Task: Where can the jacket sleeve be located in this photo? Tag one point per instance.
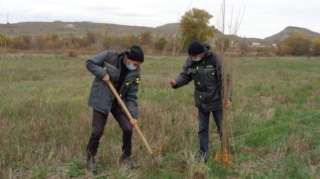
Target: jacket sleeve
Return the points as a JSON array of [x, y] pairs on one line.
[[184, 78], [95, 65], [221, 69], [131, 98]]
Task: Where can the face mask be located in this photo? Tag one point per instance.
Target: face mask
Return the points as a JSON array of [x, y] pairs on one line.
[[197, 59], [130, 66]]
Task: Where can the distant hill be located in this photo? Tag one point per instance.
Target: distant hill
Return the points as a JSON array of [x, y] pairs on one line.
[[170, 29], [288, 31], [81, 28]]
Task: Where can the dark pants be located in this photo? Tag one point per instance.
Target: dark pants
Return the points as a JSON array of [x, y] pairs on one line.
[[99, 122], [203, 133]]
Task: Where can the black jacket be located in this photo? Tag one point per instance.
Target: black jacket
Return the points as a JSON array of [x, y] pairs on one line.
[[207, 77]]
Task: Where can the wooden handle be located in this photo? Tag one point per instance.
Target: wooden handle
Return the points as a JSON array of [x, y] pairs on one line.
[[130, 117]]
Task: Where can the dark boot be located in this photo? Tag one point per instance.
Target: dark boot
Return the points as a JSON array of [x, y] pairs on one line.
[[202, 157], [129, 162], [91, 163]]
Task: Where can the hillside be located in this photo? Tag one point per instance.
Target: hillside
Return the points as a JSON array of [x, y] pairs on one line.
[[81, 28], [288, 31]]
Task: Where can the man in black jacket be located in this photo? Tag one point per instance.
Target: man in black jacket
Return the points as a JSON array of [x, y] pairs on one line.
[[122, 69], [204, 68]]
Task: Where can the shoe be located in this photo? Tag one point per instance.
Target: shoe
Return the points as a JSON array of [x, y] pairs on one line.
[[202, 157], [91, 163], [129, 162]]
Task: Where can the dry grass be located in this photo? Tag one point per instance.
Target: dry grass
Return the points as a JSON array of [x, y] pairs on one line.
[[45, 121]]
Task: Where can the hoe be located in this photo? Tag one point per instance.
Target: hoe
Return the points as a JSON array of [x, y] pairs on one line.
[[158, 158]]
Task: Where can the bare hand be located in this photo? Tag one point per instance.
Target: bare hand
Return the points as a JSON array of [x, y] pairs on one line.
[[172, 82], [229, 104], [106, 78], [133, 122]]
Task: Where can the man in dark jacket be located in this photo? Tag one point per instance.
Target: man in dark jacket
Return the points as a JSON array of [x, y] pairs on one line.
[[123, 71], [204, 67]]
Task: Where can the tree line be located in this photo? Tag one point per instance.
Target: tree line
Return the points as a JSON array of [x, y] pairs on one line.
[[297, 45], [89, 42]]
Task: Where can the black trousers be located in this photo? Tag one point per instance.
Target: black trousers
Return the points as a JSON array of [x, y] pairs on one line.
[[99, 122], [203, 133]]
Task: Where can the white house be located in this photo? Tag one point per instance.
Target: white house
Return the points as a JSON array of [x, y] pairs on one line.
[[68, 26], [255, 44]]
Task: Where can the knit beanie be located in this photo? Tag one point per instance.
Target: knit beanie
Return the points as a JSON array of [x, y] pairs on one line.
[[135, 54], [195, 48]]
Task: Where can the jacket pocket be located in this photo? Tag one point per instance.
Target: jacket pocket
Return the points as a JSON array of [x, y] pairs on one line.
[[210, 74], [194, 74], [200, 97], [213, 95], [96, 91]]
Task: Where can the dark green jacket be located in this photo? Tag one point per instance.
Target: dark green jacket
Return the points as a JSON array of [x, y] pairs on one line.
[[101, 96], [207, 77]]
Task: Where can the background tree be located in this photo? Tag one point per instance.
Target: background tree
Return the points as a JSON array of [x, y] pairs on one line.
[[74, 42], [65, 42], [52, 41], [145, 38], [264, 51], [286, 50], [173, 44], [53, 37], [243, 47], [18, 43], [82, 42], [126, 41], [109, 42], [4, 40], [222, 43], [161, 43], [40, 42], [300, 45], [316, 47], [90, 38], [27, 40], [194, 25], [99, 39]]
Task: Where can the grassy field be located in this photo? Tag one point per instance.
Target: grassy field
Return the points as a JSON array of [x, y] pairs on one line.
[[45, 122]]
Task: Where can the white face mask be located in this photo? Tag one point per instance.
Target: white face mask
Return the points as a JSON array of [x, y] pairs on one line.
[[130, 66], [197, 59]]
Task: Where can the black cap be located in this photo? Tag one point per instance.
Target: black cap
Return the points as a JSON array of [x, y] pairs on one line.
[[135, 54], [195, 48]]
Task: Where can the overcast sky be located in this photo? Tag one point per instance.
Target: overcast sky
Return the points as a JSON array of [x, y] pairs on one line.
[[262, 18]]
